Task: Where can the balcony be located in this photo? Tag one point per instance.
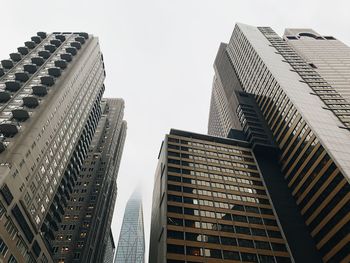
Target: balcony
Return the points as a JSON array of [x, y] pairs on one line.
[[23, 50], [61, 64], [7, 63], [41, 34], [80, 39], [4, 96], [67, 57], [50, 48], [39, 61], [9, 128], [30, 68], [76, 44], [36, 39], [71, 50], [47, 80], [2, 73], [30, 44], [16, 56], [55, 42], [83, 34], [30, 101], [44, 53], [61, 37], [39, 90], [21, 76], [55, 72], [12, 85], [20, 114]]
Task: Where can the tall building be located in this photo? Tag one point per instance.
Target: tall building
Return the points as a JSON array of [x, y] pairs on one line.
[[131, 245], [211, 203], [51, 109], [83, 233], [293, 95], [110, 249]]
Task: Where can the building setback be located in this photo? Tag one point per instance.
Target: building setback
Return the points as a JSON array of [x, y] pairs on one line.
[[131, 245], [291, 94], [211, 204], [50, 99]]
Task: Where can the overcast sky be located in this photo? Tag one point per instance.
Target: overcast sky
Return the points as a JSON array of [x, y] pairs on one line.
[[159, 56]]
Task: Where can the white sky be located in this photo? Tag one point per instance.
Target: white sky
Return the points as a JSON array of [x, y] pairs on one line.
[[159, 56]]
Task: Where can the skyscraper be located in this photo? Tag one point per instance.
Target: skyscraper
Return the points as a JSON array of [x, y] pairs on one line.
[[211, 204], [298, 93], [84, 231], [50, 99], [131, 245]]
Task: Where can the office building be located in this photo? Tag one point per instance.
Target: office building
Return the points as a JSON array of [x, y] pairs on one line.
[[83, 235], [211, 203], [292, 94], [110, 249], [50, 98], [131, 244]]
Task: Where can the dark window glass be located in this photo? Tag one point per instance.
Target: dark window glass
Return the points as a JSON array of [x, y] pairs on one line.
[[211, 239], [174, 170], [189, 223], [226, 228], [258, 232], [242, 230], [239, 218], [175, 234], [170, 146], [176, 188], [245, 242], [255, 220], [174, 198], [231, 255], [238, 207], [174, 209], [189, 200], [270, 222], [278, 247], [186, 180], [173, 154], [175, 221], [252, 209], [229, 241], [193, 237], [266, 211], [173, 161], [189, 190], [249, 257], [175, 261], [213, 253], [174, 178], [175, 249], [283, 260], [189, 211], [266, 259], [185, 171], [274, 234], [262, 245]]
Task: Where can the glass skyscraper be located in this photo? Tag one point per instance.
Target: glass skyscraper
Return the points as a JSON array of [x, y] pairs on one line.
[[131, 245]]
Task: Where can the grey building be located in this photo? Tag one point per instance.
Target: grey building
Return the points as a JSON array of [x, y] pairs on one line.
[[83, 235], [292, 94], [131, 244], [110, 249], [50, 98]]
